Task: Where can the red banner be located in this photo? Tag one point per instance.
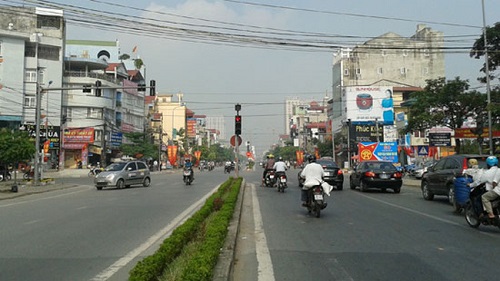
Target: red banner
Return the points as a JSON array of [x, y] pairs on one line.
[[197, 155], [172, 154], [84, 135], [316, 152], [300, 157], [469, 133], [366, 152]]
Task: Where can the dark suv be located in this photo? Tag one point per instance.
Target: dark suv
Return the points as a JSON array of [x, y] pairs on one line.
[[439, 178], [333, 173]]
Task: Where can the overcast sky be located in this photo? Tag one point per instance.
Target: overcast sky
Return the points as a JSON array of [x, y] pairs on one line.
[[204, 48]]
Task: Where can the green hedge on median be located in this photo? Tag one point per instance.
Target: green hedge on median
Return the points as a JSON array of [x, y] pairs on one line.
[[200, 266]]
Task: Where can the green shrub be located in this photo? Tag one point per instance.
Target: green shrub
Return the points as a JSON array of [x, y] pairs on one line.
[[200, 267]]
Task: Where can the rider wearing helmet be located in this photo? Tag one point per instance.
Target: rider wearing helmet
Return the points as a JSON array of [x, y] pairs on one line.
[[491, 177], [280, 167], [313, 174], [268, 166]]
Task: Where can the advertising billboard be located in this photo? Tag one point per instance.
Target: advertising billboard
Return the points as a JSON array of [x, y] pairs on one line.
[[365, 104], [383, 151]]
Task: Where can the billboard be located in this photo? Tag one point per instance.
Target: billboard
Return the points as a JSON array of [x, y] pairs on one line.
[[383, 151], [365, 104]]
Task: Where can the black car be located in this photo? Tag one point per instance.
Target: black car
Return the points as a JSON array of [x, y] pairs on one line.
[[438, 180], [333, 173], [376, 174]]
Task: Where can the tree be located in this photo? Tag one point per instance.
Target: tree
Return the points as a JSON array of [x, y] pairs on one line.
[[138, 146], [493, 44], [445, 103], [123, 57], [15, 146]]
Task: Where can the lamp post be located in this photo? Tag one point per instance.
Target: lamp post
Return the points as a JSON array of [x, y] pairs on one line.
[[36, 38], [161, 142], [487, 71]]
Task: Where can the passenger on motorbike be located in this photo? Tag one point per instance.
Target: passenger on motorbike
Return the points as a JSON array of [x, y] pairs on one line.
[[280, 167], [313, 174], [189, 165], [268, 167], [491, 177], [474, 171]]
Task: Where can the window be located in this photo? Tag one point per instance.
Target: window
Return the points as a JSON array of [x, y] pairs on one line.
[[403, 70], [358, 71], [30, 102], [30, 75], [380, 70], [426, 52], [94, 113], [346, 72], [405, 53], [384, 53]]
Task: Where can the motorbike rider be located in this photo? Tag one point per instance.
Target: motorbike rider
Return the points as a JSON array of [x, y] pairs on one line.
[[189, 165], [280, 167], [313, 174], [268, 167], [473, 170], [491, 177]]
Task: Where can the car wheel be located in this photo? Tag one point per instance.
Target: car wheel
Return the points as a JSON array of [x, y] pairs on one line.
[[120, 184], [362, 186], [397, 189], [351, 184], [146, 182], [426, 193], [451, 195]]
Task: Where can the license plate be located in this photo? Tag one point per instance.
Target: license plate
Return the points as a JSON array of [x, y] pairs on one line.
[[318, 197], [384, 176], [283, 180], [328, 174], [271, 176]]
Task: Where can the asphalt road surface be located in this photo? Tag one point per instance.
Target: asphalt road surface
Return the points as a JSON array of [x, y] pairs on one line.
[[359, 236], [85, 234]]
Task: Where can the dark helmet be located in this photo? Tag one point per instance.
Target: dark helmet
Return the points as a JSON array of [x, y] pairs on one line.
[[311, 158]]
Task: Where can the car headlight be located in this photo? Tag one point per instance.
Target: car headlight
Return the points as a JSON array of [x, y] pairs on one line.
[[110, 177]]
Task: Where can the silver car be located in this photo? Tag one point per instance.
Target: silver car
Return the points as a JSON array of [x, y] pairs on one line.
[[123, 174]]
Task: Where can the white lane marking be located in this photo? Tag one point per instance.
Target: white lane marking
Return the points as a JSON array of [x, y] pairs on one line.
[[32, 222], [82, 207], [115, 267], [424, 214], [45, 198], [265, 265]]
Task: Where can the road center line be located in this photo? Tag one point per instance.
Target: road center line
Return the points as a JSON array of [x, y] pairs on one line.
[[265, 265]]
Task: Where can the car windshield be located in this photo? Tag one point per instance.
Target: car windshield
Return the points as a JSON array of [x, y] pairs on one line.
[[327, 164], [115, 167], [381, 166]]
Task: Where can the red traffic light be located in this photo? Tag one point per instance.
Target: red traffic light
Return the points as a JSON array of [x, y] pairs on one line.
[[237, 118]]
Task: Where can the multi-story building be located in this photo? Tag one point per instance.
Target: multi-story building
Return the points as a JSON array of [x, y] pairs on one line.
[[31, 58], [112, 104], [388, 60], [371, 80], [217, 126]]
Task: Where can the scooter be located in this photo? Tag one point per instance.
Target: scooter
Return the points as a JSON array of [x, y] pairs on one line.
[[474, 213], [316, 200], [187, 176], [281, 179], [270, 179]]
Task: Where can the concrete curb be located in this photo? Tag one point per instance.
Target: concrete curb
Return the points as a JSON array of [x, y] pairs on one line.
[[225, 263]]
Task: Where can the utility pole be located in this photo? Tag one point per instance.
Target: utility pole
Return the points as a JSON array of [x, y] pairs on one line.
[[104, 148], [237, 132]]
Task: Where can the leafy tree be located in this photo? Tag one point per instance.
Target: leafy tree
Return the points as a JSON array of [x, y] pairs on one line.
[[124, 57], [15, 146], [139, 146], [493, 47], [445, 103]]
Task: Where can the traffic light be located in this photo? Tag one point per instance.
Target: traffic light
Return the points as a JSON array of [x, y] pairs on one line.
[[98, 90], [152, 88], [237, 125]]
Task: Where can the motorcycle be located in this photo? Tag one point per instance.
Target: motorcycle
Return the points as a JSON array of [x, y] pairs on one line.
[[228, 169], [187, 176], [94, 171], [5, 177], [270, 179], [316, 200], [281, 179], [474, 213]]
